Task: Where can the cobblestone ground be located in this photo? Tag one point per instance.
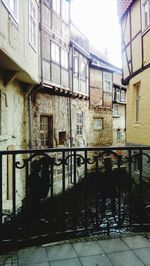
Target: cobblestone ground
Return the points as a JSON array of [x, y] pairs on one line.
[[131, 250]]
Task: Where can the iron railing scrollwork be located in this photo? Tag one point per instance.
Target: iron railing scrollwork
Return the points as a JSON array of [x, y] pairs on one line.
[[74, 191]]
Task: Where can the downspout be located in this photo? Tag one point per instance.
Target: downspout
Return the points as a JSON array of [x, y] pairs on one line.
[[70, 111]]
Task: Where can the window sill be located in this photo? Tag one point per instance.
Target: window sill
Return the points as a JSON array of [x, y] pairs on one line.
[[117, 116]]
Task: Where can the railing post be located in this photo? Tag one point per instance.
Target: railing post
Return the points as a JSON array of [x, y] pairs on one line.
[[1, 198], [63, 189], [14, 185], [75, 196], [130, 188], [85, 190]]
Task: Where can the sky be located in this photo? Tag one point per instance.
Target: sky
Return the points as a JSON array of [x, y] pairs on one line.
[[98, 21]]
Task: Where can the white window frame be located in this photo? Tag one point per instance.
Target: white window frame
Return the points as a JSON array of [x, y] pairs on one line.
[[65, 10], [117, 95], [79, 124], [107, 81], [116, 110], [32, 23], [122, 96], [64, 58], [83, 70], [98, 123], [145, 14], [55, 53], [137, 103], [56, 6], [75, 65], [12, 7]]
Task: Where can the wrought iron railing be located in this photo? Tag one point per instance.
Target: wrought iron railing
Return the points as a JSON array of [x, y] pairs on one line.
[[59, 193]]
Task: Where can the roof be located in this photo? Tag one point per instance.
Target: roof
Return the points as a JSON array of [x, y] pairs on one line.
[[123, 6], [100, 62]]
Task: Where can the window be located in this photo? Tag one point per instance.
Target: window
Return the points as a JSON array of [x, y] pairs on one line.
[[119, 135], [55, 53], [64, 58], [65, 10], [83, 70], [62, 138], [146, 13], [137, 103], [116, 109], [46, 131], [12, 6], [79, 123], [118, 95], [32, 23], [56, 6], [107, 81], [75, 66], [98, 123], [122, 96]]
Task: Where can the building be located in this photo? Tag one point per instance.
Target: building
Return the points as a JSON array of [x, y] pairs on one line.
[[60, 105], [19, 74], [107, 103], [119, 109], [135, 24], [101, 92]]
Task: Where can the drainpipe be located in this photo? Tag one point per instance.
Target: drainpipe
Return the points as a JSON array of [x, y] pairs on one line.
[[70, 111]]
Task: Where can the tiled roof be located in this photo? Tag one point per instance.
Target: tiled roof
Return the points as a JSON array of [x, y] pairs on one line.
[[123, 6]]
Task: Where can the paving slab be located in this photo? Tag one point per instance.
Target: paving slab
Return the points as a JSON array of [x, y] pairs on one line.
[[32, 256], [60, 252], [143, 254], [87, 248], [124, 258], [68, 262], [134, 242], [112, 245], [98, 260]]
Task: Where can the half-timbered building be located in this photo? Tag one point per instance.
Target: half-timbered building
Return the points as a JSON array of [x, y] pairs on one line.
[[135, 26]]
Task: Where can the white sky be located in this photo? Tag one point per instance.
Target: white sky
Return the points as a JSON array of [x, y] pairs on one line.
[[98, 20]]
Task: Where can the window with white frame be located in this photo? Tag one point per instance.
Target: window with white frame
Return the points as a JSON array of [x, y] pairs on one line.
[[83, 70], [65, 10], [55, 53], [145, 13], [137, 102], [64, 58], [107, 81], [118, 95], [79, 123], [98, 123], [32, 23], [75, 66], [122, 96], [116, 109], [12, 6], [56, 6]]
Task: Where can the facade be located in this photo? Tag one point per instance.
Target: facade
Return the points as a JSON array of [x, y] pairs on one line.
[[60, 105], [119, 110], [101, 92], [19, 73], [135, 24], [107, 103]]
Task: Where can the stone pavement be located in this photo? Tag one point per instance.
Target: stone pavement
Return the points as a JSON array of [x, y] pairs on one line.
[[123, 251]]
